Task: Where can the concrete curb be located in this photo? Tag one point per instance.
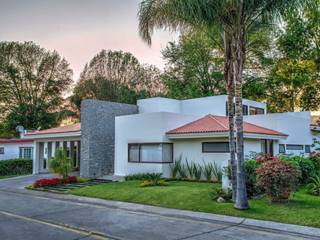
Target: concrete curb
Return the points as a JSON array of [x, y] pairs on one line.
[[175, 213]]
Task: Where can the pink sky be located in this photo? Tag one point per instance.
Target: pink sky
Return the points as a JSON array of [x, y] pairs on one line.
[[79, 29]]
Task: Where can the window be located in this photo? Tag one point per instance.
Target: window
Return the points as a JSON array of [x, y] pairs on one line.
[[25, 152], [256, 110], [215, 147], [150, 152], [282, 148], [244, 109], [307, 149], [1, 150], [294, 147]]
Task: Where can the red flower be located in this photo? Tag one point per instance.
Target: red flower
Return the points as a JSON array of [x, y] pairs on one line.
[[53, 181]]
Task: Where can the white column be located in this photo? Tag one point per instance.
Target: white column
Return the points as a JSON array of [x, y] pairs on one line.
[[35, 162], [225, 177], [53, 149], [45, 153]]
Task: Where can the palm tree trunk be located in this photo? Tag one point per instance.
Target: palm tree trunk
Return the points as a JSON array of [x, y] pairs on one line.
[[229, 80], [238, 61]]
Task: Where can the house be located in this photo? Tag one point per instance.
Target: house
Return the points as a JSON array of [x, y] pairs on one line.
[[12, 148], [122, 139]]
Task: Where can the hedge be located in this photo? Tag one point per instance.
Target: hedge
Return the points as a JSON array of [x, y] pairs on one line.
[[15, 167]]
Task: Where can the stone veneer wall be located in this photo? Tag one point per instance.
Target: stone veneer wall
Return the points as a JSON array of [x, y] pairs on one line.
[[98, 135]]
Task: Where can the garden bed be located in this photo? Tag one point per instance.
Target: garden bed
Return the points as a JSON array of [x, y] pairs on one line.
[[303, 209]]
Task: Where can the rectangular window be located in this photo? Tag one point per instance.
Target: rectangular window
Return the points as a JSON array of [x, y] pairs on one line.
[[282, 148], [256, 110], [150, 152], [294, 147], [215, 147], [26, 152], [307, 149], [1, 150], [244, 109]]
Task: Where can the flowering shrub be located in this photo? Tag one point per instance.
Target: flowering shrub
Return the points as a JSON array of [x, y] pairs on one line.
[[261, 158], [279, 179], [44, 182]]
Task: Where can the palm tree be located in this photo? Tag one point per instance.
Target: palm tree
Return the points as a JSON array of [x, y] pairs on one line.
[[232, 19]]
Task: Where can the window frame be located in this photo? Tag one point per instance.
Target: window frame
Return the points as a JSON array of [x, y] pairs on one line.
[[149, 143], [23, 149], [255, 109], [284, 148], [203, 151], [309, 148], [2, 152], [290, 145]]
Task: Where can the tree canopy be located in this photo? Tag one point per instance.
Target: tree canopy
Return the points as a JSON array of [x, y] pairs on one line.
[[117, 76], [33, 82]]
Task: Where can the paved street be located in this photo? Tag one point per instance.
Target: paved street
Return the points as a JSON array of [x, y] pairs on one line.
[[31, 215]]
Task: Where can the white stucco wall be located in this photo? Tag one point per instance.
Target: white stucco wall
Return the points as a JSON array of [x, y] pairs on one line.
[[151, 127], [140, 128], [295, 124], [192, 150], [11, 150], [215, 105]]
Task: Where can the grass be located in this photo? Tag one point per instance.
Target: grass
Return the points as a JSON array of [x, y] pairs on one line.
[[303, 209], [10, 176]]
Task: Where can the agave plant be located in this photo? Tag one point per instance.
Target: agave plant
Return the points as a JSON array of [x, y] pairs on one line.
[[190, 169], [217, 172], [183, 171], [175, 167], [314, 186], [197, 171], [208, 170]]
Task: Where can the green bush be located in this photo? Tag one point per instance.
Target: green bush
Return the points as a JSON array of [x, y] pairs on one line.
[[15, 167], [279, 179], [250, 167], [143, 176], [152, 183], [218, 192], [61, 164], [306, 166], [315, 158]]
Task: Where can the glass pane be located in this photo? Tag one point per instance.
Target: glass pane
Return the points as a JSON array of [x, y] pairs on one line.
[[134, 153], [151, 153], [167, 152], [294, 147], [307, 148], [215, 147], [282, 148]]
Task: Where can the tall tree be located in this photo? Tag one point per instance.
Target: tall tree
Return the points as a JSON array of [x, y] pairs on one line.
[[233, 20], [117, 76], [32, 84], [193, 68]]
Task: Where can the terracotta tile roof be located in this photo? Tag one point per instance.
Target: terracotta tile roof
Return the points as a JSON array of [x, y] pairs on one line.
[[15, 140], [211, 124], [65, 129]]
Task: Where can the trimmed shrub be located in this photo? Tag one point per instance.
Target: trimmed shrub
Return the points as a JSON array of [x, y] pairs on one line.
[[152, 183], [262, 158], [44, 182], [250, 167], [143, 176], [15, 167], [305, 165], [279, 179]]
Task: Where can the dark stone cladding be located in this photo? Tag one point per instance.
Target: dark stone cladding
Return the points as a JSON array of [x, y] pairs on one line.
[[98, 135]]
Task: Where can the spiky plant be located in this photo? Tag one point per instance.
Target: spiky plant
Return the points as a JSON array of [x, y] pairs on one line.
[[61, 164], [314, 186], [208, 171]]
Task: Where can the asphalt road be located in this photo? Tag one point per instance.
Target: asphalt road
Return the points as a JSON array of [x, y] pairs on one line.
[[25, 215]]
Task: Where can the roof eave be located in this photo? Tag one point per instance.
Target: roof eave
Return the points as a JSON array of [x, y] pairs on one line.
[[53, 135], [223, 134]]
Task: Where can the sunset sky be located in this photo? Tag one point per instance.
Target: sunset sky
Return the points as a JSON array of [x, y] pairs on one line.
[[79, 29]]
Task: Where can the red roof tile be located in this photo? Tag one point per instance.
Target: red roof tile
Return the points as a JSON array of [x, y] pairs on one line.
[[15, 140], [211, 124], [65, 129]]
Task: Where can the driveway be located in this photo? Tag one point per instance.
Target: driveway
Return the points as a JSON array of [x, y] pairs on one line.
[[28, 215]]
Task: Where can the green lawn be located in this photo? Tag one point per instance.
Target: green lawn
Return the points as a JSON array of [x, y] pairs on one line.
[[303, 208], [9, 176]]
